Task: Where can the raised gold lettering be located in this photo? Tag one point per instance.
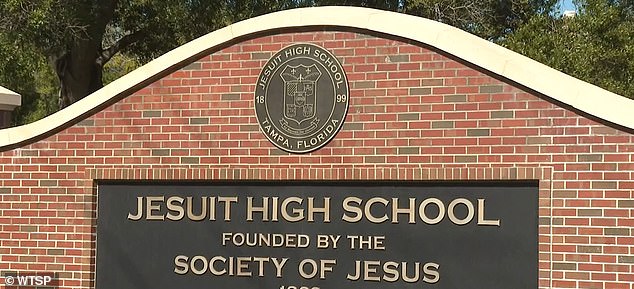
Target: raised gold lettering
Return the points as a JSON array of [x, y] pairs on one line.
[[297, 214], [180, 265], [481, 220], [312, 210], [358, 213], [150, 208], [410, 211], [139, 210], [172, 207], [452, 215], [368, 210]]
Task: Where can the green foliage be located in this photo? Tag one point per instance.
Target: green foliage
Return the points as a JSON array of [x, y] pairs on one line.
[[25, 71], [48, 25], [489, 19], [118, 66], [78, 38], [163, 25], [41, 103], [42, 42], [596, 46]]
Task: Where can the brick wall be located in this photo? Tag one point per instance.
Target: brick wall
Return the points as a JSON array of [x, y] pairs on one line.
[[414, 114]]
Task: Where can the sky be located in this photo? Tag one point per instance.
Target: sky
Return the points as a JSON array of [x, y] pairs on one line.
[[566, 5]]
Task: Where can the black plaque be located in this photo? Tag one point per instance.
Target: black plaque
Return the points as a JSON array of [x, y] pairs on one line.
[[301, 98], [456, 251]]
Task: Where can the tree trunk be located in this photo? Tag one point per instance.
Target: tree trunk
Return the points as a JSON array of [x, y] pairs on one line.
[[79, 72], [80, 66]]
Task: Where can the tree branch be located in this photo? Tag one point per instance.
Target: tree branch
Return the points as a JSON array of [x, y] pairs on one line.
[[122, 43]]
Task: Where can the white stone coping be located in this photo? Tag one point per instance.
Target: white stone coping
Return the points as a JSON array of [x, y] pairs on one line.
[[496, 59], [9, 100]]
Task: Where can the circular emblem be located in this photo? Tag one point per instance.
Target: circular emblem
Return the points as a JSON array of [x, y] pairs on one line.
[[301, 98]]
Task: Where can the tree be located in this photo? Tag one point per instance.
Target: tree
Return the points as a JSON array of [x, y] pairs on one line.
[[597, 45], [24, 70], [78, 37], [490, 19]]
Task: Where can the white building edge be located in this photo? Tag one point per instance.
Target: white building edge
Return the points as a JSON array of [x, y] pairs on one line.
[[9, 99]]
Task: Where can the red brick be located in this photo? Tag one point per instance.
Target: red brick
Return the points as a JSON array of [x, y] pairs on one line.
[[592, 162]]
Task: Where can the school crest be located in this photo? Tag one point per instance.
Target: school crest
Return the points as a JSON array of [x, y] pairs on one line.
[[300, 90], [301, 98]]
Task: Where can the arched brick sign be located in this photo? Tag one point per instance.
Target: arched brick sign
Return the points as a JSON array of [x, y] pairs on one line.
[[458, 163]]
